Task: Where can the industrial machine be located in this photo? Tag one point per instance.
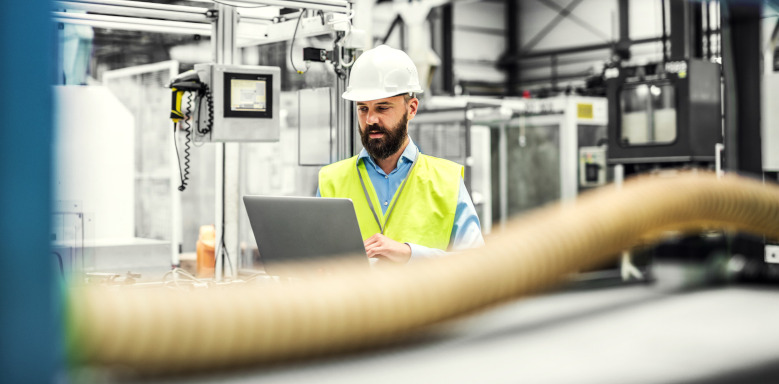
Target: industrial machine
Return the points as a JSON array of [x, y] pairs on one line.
[[669, 114], [518, 154], [664, 112]]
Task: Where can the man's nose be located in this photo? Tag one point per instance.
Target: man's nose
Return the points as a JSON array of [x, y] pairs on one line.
[[371, 118]]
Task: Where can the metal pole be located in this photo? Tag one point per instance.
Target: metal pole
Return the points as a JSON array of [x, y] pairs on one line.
[[228, 155], [503, 175], [665, 33], [138, 9], [344, 129], [569, 143], [146, 5], [131, 24], [447, 54]]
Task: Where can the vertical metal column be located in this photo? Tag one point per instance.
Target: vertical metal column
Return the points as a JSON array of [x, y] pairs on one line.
[[509, 61], [447, 51], [741, 53], [176, 233], [622, 48], [569, 152], [696, 30], [228, 155], [679, 30], [344, 131], [503, 182], [741, 65]]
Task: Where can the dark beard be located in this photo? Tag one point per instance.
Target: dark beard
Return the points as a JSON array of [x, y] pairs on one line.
[[386, 146]]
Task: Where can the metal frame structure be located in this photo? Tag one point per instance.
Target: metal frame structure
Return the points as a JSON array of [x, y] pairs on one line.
[[221, 23], [162, 18]]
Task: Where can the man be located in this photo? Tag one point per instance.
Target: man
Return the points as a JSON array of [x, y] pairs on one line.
[[409, 205]]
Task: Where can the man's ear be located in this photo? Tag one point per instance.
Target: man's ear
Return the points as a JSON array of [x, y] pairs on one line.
[[413, 106]]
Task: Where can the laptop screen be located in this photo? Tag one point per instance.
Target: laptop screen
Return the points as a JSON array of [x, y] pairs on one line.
[[290, 230]]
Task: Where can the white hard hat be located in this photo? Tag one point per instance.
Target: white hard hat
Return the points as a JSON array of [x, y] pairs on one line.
[[382, 72]]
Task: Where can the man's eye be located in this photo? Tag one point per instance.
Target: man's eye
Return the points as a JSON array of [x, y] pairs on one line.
[[363, 109], [383, 108]]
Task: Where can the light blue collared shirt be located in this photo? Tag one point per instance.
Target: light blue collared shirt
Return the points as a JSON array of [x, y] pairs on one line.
[[466, 232]]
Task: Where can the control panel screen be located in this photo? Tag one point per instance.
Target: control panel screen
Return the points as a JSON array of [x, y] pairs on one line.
[[248, 95]]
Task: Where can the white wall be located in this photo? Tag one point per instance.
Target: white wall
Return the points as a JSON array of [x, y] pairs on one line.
[[601, 15], [479, 41], [94, 157]]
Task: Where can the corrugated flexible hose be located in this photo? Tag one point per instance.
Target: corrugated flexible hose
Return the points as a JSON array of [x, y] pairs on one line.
[[163, 330]]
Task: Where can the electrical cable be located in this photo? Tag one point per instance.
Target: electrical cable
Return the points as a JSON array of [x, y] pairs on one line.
[[187, 144], [210, 104], [59, 258], [201, 132], [223, 251], [175, 272], [178, 156], [292, 44], [340, 42], [227, 254]]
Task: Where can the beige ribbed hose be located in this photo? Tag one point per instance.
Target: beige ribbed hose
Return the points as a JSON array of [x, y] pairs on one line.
[[157, 330]]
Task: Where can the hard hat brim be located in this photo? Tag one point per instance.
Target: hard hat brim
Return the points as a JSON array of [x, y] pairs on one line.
[[370, 95]]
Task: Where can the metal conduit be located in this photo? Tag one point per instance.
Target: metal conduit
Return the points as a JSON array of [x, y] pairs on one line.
[[134, 11], [185, 13], [164, 330], [145, 5], [134, 27], [132, 23]]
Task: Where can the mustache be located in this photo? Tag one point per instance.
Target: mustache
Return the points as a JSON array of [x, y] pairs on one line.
[[375, 128]]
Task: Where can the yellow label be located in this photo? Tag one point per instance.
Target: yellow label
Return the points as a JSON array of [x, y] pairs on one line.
[[584, 111]]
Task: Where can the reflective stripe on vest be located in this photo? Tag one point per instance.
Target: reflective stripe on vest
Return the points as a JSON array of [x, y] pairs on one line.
[[422, 212]]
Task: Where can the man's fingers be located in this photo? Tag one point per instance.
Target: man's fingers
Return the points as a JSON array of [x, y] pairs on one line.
[[371, 245], [373, 239], [375, 252]]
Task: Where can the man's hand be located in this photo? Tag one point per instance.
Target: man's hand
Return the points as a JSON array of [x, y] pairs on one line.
[[384, 248]]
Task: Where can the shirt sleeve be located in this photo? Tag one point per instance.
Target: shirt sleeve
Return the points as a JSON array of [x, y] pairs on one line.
[[466, 231]]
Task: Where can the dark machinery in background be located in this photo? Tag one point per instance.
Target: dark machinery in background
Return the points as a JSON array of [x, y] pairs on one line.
[[669, 115], [666, 114]]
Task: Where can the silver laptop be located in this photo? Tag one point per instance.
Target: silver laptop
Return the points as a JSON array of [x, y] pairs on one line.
[[289, 230]]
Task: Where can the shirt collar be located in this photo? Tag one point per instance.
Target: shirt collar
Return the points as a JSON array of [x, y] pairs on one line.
[[409, 154]]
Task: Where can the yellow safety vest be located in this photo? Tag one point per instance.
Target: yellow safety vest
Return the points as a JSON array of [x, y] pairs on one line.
[[422, 210]]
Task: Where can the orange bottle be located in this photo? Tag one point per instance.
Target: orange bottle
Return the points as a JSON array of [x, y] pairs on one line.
[[205, 251]]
